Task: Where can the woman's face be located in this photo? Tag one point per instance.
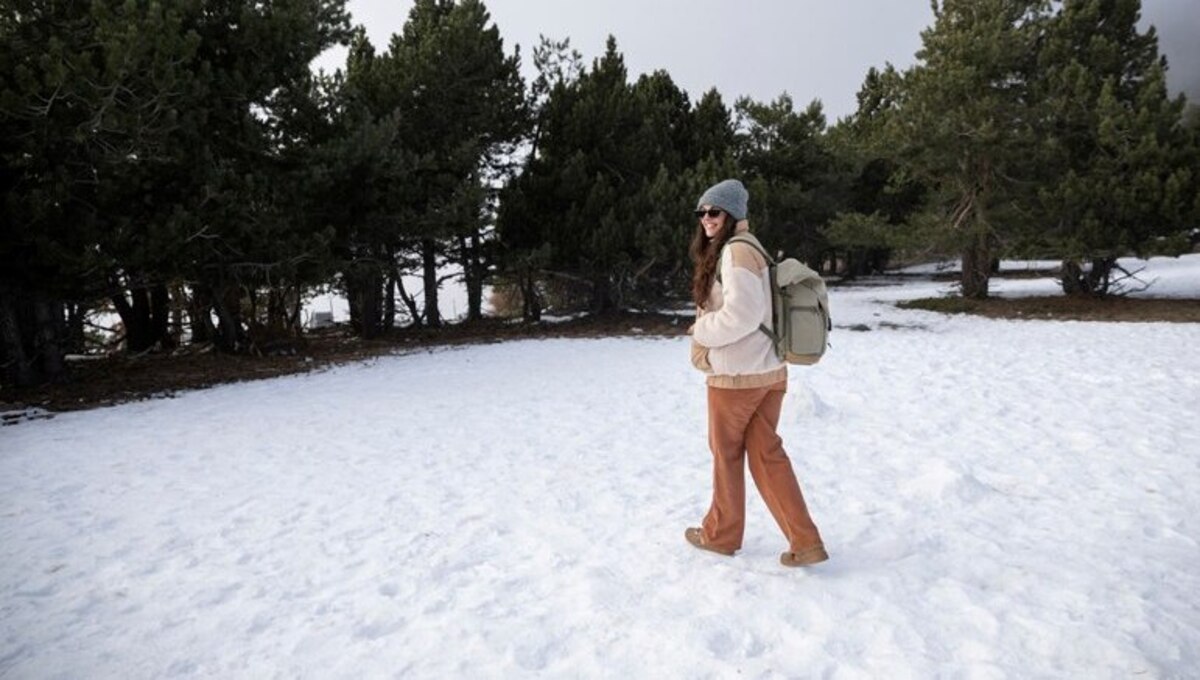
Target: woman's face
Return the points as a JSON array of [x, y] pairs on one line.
[[711, 224]]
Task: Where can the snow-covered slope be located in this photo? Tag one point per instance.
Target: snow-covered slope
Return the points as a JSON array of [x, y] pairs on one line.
[[1000, 499]]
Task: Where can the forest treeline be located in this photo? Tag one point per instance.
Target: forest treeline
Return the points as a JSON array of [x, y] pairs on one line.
[[179, 163]]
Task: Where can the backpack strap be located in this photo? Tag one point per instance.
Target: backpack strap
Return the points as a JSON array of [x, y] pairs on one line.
[[750, 240]]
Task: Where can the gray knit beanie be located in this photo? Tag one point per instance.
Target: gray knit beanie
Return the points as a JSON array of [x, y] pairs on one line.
[[729, 196]]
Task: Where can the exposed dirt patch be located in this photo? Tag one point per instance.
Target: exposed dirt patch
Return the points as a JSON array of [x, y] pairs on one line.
[[1066, 308], [123, 378]]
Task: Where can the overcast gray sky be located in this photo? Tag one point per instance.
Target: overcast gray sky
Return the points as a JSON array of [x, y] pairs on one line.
[[760, 48]]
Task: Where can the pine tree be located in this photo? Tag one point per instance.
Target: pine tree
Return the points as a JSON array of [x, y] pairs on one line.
[[571, 199], [91, 96], [1118, 174], [881, 199], [604, 201], [144, 127], [246, 244], [363, 188], [712, 130], [793, 177], [460, 102], [963, 125], [523, 233]]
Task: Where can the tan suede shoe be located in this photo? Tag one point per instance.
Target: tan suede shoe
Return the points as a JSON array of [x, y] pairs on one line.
[[805, 557], [695, 536]]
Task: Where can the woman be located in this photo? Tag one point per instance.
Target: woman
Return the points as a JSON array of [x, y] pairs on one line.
[[746, 383]]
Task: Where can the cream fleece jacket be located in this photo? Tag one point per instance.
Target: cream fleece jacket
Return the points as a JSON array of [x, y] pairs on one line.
[[739, 354]]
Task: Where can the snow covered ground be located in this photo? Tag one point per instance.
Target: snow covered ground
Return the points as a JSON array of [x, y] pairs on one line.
[[1157, 277], [1000, 499]]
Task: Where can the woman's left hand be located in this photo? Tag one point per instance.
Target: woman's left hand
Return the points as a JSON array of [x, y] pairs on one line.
[[700, 357]]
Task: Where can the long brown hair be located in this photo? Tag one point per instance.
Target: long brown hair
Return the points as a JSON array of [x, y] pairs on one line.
[[705, 252]]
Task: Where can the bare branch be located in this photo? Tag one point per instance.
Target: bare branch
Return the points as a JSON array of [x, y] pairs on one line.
[[1120, 288]]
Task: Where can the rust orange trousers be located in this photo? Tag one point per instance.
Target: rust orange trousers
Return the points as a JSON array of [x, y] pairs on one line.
[[741, 425]]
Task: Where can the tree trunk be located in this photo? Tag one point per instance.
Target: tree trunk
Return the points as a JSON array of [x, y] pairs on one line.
[[146, 315], [179, 303], [603, 300], [76, 339], [371, 301], [879, 260], [199, 311], [32, 338], [1092, 283], [433, 317], [531, 300], [473, 271], [160, 315], [389, 303], [48, 317], [131, 319], [1073, 280], [276, 315], [408, 300], [282, 319], [977, 266], [351, 296], [18, 367], [390, 288], [364, 286], [230, 335], [297, 303]]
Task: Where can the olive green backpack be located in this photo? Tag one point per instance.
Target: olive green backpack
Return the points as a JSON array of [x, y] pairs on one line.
[[799, 308]]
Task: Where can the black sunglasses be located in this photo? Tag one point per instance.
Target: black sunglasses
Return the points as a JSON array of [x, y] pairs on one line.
[[711, 212]]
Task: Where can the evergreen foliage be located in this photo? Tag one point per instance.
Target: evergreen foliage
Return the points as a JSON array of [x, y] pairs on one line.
[[424, 132], [1119, 174], [175, 161], [797, 183], [963, 127], [603, 199], [460, 101], [1032, 129], [137, 154], [881, 199]]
